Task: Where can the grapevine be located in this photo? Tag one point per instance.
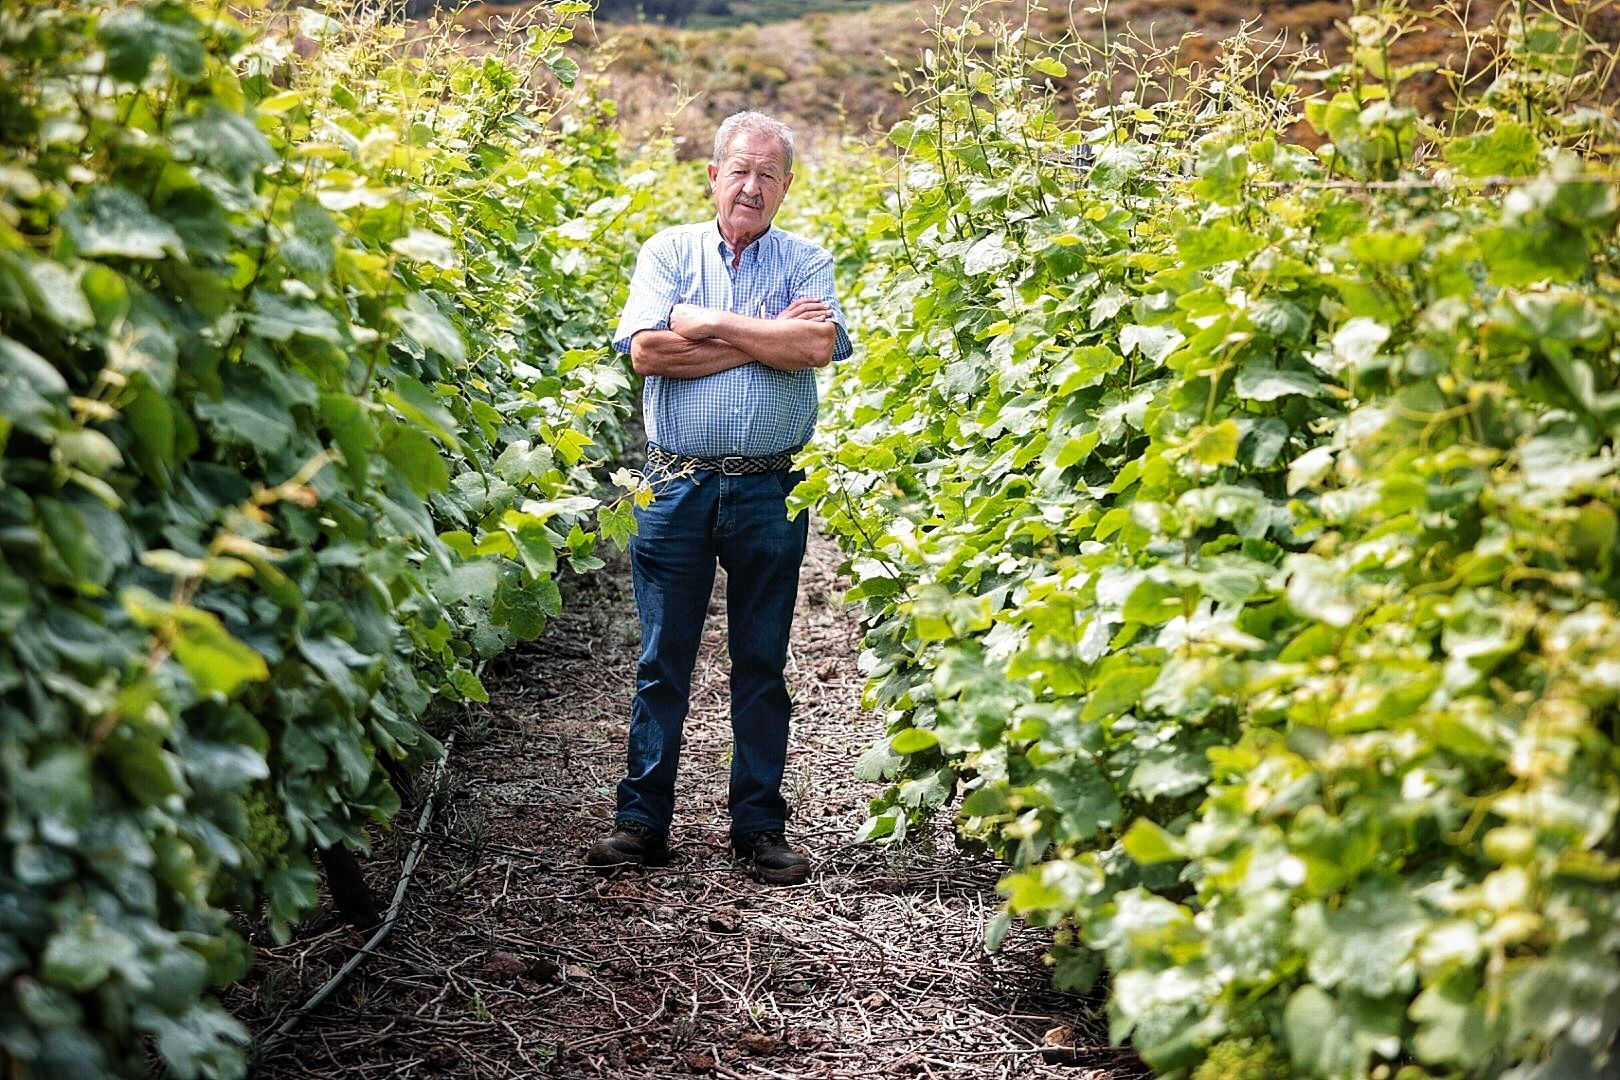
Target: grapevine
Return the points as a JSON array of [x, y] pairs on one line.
[[1234, 515], [295, 426]]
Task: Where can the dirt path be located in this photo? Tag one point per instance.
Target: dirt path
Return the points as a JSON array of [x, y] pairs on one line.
[[512, 961]]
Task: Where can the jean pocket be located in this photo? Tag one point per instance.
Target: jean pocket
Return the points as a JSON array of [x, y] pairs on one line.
[[790, 479]]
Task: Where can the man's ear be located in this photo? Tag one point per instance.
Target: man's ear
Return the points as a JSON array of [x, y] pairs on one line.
[[787, 183], [714, 173]]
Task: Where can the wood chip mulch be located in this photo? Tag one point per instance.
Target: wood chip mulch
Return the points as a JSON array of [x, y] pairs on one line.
[[512, 960]]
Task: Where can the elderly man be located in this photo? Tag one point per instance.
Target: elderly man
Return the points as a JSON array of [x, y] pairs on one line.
[[727, 319]]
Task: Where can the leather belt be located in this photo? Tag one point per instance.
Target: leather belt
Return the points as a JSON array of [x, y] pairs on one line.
[[663, 460]]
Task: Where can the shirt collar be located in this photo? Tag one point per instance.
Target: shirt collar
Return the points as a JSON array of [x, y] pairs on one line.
[[751, 253]]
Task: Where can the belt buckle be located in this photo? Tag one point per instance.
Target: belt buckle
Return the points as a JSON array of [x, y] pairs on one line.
[[733, 465]]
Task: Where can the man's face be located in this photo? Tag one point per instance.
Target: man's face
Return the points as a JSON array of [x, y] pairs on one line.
[[749, 184]]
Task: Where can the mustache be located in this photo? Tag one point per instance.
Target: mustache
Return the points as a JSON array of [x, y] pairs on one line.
[[757, 201]]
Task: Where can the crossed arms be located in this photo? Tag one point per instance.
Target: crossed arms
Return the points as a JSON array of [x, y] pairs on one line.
[[701, 341]]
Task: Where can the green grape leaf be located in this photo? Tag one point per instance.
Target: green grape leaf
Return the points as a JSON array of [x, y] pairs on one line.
[[1453, 1027], [1368, 944], [1334, 1038], [203, 1041], [134, 37], [422, 319], [224, 140], [83, 954], [418, 459], [1257, 382], [109, 221], [32, 391]]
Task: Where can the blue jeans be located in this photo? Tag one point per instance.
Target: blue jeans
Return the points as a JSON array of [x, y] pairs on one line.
[[741, 523]]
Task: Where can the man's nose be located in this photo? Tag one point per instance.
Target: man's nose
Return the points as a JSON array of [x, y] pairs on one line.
[[750, 184]]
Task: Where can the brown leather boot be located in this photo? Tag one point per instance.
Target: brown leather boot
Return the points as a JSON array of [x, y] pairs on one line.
[[629, 844], [769, 857]]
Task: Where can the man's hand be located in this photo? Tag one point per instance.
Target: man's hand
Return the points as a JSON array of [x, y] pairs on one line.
[[802, 336], [692, 322], [808, 309], [666, 353], [695, 323]]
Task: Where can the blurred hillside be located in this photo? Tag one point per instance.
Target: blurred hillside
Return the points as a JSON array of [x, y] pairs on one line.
[[707, 14], [839, 71]]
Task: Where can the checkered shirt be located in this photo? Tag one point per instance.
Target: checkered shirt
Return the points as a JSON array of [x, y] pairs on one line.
[[752, 410]]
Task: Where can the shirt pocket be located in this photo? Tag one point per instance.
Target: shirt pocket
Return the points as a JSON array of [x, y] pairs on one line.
[[774, 302], [689, 289]]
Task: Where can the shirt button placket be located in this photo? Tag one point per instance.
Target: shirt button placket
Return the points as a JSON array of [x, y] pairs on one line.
[[739, 294]]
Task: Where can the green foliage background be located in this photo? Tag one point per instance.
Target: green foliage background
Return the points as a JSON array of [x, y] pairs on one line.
[[713, 13], [1236, 517], [301, 375], [1235, 514]]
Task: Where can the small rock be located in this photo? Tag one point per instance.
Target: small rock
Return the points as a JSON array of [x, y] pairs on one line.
[[905, 1065], [699, 1062], [509, 967], [725, 920], [757, 1042], [505, 967], [1057, 1047]]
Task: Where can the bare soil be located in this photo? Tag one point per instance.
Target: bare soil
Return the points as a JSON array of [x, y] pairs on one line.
[[512, 960]]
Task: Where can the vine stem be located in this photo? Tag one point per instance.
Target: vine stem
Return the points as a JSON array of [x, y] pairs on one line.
[[900, 205]]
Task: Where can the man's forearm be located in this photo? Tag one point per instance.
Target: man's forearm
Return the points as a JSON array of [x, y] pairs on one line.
[[784, 344], [664, 352]]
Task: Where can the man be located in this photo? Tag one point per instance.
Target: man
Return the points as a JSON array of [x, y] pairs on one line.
[[727, 319]]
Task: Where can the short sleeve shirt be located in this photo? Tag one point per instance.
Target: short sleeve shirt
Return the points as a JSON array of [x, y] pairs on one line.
[[753, 410]]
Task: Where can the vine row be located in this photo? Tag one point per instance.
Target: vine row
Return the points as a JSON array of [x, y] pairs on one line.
[[301, 383], [1229, 477]]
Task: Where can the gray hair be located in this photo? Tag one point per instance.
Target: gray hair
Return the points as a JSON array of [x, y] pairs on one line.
[[759, 124]]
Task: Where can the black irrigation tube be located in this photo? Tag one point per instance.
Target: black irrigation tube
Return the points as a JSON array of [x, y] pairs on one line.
[[407, 870]]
